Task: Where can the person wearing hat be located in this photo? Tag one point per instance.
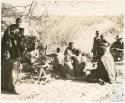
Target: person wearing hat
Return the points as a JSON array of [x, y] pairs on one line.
[[95, 46], [117, 48], [106, 66]]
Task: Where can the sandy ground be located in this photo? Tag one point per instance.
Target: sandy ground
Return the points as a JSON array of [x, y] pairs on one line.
[[68, 90]]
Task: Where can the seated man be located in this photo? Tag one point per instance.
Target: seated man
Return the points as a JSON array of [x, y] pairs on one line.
[[68, 66], [34, 54], [79, 63], [71, 48], [44, 67], [35, 58], [117, 49]]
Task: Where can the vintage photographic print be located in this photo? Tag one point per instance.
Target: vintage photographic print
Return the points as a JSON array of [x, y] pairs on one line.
[[62, 50]]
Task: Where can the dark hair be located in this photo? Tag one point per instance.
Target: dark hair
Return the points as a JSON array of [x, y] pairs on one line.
[[70, 43], [78, 51], [97, 32], [18, 19], [101, 36], [58, 49], [83, 54]]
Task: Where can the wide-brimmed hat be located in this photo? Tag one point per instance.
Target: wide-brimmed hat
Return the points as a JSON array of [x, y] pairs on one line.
[[97, 32], [118, 37]]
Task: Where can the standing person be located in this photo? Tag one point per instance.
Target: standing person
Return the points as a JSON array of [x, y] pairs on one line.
[[106, 65], [70, 52], [117, 48], [102, 44], [95, 46], [12, 49], [103, 41], [12, 40]]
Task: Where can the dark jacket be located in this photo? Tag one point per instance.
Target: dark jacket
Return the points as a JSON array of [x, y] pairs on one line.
[[12, 41]]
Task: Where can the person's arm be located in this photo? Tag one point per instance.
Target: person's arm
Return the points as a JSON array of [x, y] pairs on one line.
[[65, 51], [93, 44], [37, 54], [92, 50], [112, 46], [5, 39], [107, 43], [21, 33]]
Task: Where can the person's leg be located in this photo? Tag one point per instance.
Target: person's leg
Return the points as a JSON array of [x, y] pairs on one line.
[[115, 56], [62, 71], [41, 72], [94, 55], [82, 67], [120, 55], [11, 85]]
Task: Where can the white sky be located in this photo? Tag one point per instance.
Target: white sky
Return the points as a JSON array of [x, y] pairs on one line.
[[86, 7]]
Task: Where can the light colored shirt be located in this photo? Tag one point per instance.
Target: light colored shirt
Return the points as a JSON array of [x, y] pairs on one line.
[[34, 55]]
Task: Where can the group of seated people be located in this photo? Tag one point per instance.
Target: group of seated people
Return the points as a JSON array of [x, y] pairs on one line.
[[69, 64], [75, 65], [38, 61], [72, 64]]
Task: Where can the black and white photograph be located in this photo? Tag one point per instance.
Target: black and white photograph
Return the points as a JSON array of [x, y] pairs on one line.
[[62, 50]]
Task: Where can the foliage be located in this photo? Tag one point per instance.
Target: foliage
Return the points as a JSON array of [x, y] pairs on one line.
[[57, 31]]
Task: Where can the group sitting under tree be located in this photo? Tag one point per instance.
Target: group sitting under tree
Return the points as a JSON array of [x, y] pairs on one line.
[[72, 64]]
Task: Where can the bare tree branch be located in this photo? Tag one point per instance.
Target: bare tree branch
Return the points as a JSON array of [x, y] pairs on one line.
[[18, 6]]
